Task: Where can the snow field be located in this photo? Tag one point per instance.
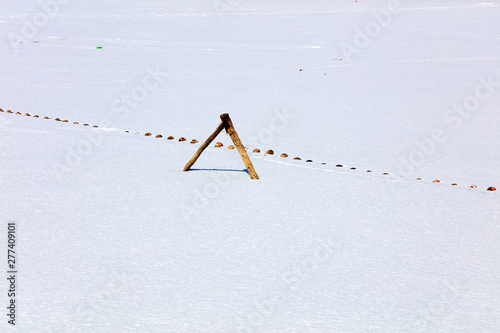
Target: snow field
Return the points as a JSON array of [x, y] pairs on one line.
[[114, 237]]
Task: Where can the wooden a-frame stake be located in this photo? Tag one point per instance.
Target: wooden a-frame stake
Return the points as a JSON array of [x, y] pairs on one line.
[[226, 124]]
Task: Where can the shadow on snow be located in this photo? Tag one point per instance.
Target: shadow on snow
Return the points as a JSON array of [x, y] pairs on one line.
[[233, 170]]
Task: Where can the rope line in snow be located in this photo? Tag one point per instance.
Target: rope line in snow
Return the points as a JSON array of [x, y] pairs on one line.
[[219, 145]]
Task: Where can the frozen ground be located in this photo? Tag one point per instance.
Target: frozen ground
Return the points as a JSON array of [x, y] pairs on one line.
[[114, 237]]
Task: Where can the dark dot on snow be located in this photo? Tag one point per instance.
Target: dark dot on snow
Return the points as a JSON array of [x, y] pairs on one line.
[[309, 161], [353, 168], [339, 166]]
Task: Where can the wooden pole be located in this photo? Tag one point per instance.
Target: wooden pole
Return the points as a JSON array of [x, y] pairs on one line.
[[228, 125], [203, 146]]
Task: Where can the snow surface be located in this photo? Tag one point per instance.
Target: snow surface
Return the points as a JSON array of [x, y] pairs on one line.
[[114, 237]]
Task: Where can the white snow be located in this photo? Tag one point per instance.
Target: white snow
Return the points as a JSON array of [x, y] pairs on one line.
[[112, 236]]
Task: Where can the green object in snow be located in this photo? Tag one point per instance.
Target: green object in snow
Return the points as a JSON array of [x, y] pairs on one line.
[[99, 47]]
